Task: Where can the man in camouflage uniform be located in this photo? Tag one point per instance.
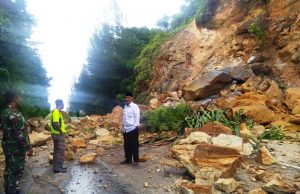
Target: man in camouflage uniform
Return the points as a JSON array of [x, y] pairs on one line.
[[15, 143]]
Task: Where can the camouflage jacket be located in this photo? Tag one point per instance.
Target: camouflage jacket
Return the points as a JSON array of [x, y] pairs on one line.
[[15, 136]]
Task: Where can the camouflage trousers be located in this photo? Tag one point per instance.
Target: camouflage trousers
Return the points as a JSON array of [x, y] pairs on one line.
[[14, 170]]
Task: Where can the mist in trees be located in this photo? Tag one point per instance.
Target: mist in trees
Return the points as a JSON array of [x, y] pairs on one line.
[[121, 59], [21, 68], [109, 72]]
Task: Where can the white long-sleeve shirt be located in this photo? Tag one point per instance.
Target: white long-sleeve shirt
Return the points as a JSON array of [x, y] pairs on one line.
[[131, 117]]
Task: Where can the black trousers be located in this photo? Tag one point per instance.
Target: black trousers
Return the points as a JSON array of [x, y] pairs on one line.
[[131, 145]]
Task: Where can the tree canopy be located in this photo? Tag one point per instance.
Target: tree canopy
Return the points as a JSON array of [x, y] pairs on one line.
[[122, 59], [21, 68]]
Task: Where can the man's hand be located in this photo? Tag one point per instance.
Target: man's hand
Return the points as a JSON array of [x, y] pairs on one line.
[[30, 152]]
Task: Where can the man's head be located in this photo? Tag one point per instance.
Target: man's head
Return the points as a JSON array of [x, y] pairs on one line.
[[11, 98], [59, 104], [128, 98]]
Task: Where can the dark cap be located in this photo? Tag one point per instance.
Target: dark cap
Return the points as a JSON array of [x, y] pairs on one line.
[[128, 94], [10, 96]]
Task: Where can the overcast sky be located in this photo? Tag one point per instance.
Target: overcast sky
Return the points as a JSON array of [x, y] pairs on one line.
[[64, 28]]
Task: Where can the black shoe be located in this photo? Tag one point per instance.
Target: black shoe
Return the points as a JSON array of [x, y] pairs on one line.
[[61, 170], [65, 168], [125, 162], [135, 163]]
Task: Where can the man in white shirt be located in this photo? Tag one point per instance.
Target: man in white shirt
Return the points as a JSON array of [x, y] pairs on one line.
[[131, 122]]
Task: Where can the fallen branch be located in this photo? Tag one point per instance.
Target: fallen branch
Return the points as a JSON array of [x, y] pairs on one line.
[[158, 139], [288, 165], [166, 140]]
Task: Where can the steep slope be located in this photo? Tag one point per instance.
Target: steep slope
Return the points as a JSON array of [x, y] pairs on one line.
[[245, 38]]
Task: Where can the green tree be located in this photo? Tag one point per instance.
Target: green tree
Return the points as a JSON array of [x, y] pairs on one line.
[[110, 68], [20, 65]]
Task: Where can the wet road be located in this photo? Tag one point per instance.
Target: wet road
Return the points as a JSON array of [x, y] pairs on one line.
[[80, 179], [92, 179]]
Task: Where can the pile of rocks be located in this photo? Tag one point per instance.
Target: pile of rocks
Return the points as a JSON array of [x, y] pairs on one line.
[[87, 137]]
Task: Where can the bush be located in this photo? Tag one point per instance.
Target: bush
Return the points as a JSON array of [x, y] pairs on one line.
[[198, 119], [206, 13], [144, 65], [256, 29], [274, 133], [167, 118]]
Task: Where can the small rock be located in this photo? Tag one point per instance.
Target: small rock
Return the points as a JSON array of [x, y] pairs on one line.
[[247, 149], [88, 159], [144, 158], [278, 185], [240, 191], [69, 155], [146, 185], [101, 132], [94, 142], [79, 143], [227, 185], [245, 132], [264, 157], [257, 191], [50, 158]]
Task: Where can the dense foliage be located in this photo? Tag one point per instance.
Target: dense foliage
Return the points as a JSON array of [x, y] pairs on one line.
[[167, 118], [20, 66], [273, 133], [109, 72]]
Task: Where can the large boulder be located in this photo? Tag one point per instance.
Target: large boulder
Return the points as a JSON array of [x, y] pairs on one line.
[[114, 119], [215, 161], [241, 72], [206, 85], [254, 106], [38, 139], [288, 126], [205, 161]]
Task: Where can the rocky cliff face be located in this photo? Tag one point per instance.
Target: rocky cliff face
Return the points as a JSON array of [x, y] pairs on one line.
[[246, 37]]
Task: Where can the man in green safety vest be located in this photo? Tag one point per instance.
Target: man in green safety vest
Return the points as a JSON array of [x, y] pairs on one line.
[[58, 132]]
